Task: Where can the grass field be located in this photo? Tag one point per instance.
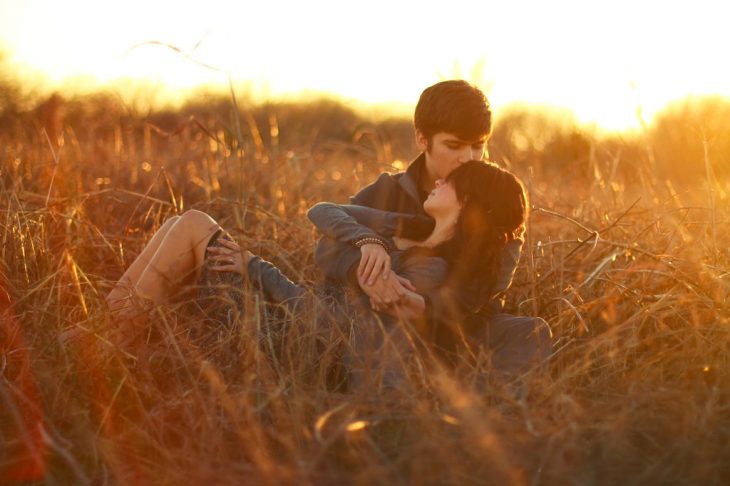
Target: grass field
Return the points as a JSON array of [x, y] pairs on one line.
[[626, 260]]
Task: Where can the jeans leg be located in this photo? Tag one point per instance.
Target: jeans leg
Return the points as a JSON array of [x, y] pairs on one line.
[[518, 343]]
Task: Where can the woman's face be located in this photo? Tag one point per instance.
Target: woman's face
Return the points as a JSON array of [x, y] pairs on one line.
[[442, 201]]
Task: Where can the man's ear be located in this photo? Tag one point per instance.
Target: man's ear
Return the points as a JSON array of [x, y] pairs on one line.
[[421, 141]]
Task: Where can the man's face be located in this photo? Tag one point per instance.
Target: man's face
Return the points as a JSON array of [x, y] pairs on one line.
[[447, 152]]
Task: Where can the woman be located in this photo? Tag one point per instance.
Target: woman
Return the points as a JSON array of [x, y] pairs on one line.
[[443, 279]]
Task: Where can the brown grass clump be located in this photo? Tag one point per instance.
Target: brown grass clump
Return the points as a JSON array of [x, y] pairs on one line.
[[629, 269]]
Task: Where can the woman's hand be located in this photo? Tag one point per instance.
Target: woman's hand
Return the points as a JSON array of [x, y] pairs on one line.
[[411, 307], [374, 263], [229, 257], [384, 293]]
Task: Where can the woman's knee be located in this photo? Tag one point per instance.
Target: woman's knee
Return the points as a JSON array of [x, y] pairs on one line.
[[166, 226], [194, 216], [171, 220], [196, 223]]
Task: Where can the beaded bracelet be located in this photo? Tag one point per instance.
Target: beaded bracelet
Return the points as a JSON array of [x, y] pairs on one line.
[[371, 240]]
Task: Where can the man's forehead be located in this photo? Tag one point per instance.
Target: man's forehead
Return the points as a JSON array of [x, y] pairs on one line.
[[450, 137]]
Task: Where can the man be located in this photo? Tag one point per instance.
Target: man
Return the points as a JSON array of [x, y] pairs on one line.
[[453, 121]]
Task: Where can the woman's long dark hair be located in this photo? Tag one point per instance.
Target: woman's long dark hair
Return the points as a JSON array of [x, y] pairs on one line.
[[494, 211]]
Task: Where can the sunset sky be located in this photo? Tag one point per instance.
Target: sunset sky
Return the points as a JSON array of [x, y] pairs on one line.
[[601, 60]]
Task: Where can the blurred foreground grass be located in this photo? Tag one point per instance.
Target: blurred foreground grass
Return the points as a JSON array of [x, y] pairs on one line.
[[627, 259]]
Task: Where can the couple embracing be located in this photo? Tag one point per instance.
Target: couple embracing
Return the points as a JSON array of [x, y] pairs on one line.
[[423, 256]]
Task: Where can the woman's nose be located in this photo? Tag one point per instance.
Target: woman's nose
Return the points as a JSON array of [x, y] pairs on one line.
[[439, 182]]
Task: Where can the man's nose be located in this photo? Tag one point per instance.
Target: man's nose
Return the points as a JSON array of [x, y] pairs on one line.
[[467, 153]]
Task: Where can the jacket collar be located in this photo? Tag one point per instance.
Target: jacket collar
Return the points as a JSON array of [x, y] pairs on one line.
[[409, 179]]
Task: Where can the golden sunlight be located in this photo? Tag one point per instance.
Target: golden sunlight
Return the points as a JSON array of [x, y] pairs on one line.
[[614, 64]]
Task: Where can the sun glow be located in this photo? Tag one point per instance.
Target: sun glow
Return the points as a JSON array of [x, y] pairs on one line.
[[614, 64]]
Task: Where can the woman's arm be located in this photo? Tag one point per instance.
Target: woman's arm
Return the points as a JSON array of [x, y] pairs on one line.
[[227, 256], [276, 286]]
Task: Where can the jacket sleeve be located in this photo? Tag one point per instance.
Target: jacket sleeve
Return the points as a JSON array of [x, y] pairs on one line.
[[335, 254], [348, 223], [277, 288], [335, 259]]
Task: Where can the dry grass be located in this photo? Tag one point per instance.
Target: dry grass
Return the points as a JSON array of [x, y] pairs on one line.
[[630, 272]]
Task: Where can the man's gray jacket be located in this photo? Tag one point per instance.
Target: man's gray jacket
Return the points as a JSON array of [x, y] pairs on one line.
[[398, 193]]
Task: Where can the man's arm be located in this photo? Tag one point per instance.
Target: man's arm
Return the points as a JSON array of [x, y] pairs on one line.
[[351, 224], [338, 261], [335, 259], [348, 223]]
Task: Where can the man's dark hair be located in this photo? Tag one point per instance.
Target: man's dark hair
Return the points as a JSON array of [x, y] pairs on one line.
[[455, 107]]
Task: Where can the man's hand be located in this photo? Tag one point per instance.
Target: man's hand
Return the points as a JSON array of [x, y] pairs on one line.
[[374, 263]]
